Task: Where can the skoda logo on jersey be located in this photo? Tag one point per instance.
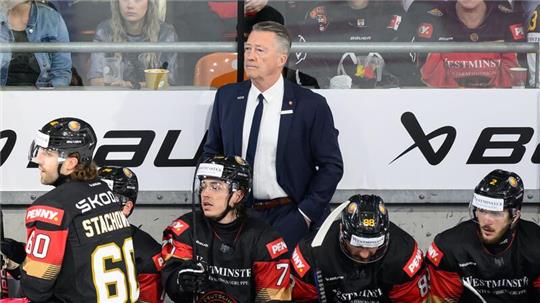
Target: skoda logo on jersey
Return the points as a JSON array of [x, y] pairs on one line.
[[421, 140]]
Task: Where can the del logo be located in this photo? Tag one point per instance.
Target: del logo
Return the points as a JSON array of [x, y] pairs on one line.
[[434, 254], [414, 263], [276, 248], [300, 265], [178, 227], [45, 214]]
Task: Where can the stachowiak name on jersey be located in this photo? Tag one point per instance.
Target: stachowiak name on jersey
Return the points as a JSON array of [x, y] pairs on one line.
[[252, 267], [512, 275], [399, 276], [79, 247]]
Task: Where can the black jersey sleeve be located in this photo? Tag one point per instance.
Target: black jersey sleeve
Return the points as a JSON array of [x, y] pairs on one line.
[[47, 233], [149, 262], [176, 249], [305, 289]]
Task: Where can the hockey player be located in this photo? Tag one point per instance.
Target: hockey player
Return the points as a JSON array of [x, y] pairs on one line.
[[79, 246], [495, 255], [238, 258], [148, 260], [364, 258]]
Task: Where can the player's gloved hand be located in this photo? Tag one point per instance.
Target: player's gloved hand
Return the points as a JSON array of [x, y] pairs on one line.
[[13, 253], [192, 277]]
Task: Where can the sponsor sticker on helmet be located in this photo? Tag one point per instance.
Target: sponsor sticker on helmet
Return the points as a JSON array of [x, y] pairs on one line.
[[352, 207], [366, 242], [512, 181], [74, 126], [488, 203], [127, 172], [42, 139], [210, 170]]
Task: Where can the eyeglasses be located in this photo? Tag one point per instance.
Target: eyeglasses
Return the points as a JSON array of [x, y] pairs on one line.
[[213, 186]]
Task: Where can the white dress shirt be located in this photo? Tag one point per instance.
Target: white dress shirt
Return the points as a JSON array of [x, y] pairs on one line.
[[265, 185]]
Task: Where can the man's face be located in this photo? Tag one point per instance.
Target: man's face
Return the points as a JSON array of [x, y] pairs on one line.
[[133, 10], [48, 166], [263, 57], [214, 197], [362, 254], [492, 224]]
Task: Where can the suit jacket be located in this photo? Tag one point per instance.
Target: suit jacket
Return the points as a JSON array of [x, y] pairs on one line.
[[308, 161]]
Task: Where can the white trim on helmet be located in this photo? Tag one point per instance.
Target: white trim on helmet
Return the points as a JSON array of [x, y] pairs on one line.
[[367, 242], [488, 203]]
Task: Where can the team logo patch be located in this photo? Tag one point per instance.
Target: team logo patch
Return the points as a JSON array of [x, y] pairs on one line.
[[425, 30], [216, 297], [434, 254], [517, 31], [45, 214], [178, 227], [415, 262], [299, 263], [352, 207], [395, 22], [74, 126], [276, 248]]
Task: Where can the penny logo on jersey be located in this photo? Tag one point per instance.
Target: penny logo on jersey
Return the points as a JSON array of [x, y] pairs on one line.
[[46, 214]]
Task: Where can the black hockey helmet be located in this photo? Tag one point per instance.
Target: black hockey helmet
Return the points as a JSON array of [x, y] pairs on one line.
[[122, 181], [365, 223], [235, 171], [499, 190], [67, 136]]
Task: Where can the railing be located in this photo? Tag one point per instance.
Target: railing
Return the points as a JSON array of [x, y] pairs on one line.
[[315, 47]]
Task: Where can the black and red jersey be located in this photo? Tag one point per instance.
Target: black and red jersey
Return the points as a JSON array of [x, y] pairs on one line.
[[149, 263], [399, 276], [441, 23], [79, 247], [512, 275], [247, 261], [337, 21]]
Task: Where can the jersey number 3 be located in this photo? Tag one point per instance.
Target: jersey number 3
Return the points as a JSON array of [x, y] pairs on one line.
[[114, 280]]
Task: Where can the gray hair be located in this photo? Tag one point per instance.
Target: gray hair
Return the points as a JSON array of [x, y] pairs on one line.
[[282, 34]]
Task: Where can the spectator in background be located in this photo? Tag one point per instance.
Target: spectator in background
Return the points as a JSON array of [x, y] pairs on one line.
[[352, 21], [533, 35], [30, 21], [134, 21], [469, 21]]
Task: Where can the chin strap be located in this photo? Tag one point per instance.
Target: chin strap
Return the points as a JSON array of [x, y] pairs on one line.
[[61, 178], [226, 211]]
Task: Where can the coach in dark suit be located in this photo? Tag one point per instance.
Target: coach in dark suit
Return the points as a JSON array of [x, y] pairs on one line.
[[284, 131]]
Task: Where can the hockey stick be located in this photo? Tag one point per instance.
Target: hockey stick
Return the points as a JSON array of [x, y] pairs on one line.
[[4, 291], [474, 291], [317, 242]]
